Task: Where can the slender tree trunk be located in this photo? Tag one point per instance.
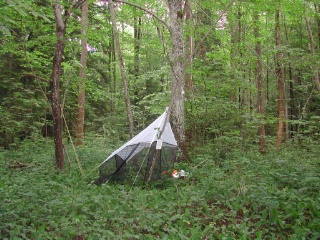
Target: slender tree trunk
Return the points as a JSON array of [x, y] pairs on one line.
[[267, 73], [112, 72], [259, 79], [137, 36], [288, 100], [312, 50], [292, 112], [281, 113], [55, 78], [286, 116], [136, 50], [82, 73], [122, 68], [189, 46], [235, 35], [178, 73], [238, 40], [290, 107], [189, 51], [234, 42], [317, 9]]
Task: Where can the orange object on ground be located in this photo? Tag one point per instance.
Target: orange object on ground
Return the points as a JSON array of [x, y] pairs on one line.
[[175, 173]]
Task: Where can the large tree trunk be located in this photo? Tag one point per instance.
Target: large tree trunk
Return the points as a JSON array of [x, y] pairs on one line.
[[122, 69], [178, 72], [55, 78], [82, 73], [281, 113], [259, 79]]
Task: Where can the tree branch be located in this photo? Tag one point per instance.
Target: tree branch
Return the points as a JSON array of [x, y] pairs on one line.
[[78, 4], [212, 26], [37, 77], [144, 9], [74, 6]]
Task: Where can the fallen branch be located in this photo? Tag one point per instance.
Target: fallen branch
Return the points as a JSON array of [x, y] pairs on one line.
[[19, 165]]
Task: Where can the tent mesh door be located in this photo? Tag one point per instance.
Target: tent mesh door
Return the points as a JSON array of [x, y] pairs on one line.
[[139, 166]]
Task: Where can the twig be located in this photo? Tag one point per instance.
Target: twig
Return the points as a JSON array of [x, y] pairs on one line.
[[200, 164]]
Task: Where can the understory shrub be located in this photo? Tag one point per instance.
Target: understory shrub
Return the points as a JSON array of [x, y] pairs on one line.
[[245, 195]]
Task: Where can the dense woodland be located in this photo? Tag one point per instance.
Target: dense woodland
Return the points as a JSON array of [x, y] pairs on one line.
[[241, 79]]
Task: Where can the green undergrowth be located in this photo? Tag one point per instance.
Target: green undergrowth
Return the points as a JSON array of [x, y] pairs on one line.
[[243, 195]]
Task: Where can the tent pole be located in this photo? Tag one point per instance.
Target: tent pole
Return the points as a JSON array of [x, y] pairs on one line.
[[155, 155]]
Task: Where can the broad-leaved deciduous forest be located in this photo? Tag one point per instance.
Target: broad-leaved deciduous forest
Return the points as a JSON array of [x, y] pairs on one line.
[[240, 77]]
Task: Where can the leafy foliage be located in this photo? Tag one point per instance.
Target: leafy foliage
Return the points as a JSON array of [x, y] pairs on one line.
[[231, 191], [243, 195]]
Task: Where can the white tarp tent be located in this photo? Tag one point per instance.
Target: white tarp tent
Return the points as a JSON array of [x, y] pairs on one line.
[[158, 132], [146, 137]]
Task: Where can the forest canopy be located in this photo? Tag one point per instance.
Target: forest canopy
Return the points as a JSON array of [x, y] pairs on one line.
[[233, 72]]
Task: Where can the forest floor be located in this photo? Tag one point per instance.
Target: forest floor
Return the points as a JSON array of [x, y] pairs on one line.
[[242, 195]]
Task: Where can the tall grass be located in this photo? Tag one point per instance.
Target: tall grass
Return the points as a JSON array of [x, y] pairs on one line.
[[243, 195]]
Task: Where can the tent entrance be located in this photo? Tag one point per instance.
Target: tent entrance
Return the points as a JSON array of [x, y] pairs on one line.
[[138, 168]]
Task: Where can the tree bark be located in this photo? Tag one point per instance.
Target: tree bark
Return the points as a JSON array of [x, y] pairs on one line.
[[55, 78], [189, 47], [178, 73], [259, 80], [312, 50], [235, 36], [137, 36], [281, 113], [136, 50], [122, 68], [82, 73], [317, 8]]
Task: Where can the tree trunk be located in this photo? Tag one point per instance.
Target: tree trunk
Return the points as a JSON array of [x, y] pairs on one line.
[[317, 9], [112, 72], [312, 50], [259, 80], [55, 78], [137, 36], [122, 68], [240, 37], [235, 37], [82, 73], [189, 46], [136, 51], [178, 73], [280, 131]]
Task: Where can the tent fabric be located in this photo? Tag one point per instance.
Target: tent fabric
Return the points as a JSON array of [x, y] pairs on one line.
[[159, 129]]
